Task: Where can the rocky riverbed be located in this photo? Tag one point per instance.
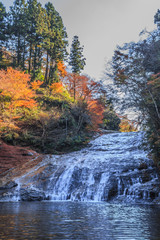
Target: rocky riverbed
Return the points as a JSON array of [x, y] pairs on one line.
[[114, 168]]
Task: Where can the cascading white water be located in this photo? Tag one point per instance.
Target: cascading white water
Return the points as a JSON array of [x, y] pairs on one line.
[[114, 167]]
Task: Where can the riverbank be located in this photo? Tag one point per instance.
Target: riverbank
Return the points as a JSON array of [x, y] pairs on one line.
[[14, 156]]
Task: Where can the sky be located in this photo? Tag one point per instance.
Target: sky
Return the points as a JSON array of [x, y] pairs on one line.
[[103, 24]]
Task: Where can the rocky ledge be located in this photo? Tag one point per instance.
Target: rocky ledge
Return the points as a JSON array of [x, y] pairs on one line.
[[112, 168]]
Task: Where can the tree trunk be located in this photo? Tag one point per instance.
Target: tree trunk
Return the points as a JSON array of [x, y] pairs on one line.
[[24, 49], [18, 51], [30, 58], [46, 72], [74, 88]]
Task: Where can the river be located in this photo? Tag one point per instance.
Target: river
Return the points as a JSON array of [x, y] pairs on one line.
[[107, 191], [78, 220]]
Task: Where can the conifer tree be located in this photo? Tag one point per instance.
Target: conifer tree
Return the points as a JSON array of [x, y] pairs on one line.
[[77, 61], [57, 43], [2, 28], [34, 14], [17, 30], [2, 22], [37, 38]]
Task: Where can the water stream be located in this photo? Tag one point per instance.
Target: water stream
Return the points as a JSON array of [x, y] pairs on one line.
[[88, 195], [113, 168], [79, 221]]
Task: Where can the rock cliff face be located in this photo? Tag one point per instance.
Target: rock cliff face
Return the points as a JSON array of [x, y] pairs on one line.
[[113, 168], [13, 157]]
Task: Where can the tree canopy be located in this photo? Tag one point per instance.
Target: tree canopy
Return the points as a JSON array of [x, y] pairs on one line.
[[35, 36], [135, 71], [41, 104], [77, 61]]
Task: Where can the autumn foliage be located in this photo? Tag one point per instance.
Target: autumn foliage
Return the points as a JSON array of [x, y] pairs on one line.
[[48, 108], [61, 69], [36, 84], [96, 113], [83, 88], [48, 117], [56, 87], [127, 125], [14, 86]]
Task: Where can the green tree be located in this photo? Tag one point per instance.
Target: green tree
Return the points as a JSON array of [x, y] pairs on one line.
[[37, 38], [17, 30], [77, 61], [136, 74], [2, 29], [2, 23], [35, 16], [56, 43]]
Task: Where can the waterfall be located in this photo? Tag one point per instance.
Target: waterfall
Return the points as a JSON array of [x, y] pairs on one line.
[[114, 167]]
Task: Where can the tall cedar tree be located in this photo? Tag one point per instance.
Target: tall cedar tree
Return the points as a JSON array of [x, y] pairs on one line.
[[77, 61], [2, 21], [38, 39], [56, 49], [2, 28], [17, 31], [34, 38]]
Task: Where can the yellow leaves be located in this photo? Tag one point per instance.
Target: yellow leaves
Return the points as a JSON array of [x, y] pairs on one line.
[[24, 103], [36, 84], [13, 126], [8, 125], [61, 69], [96, 112], [84, 89], [57, 87], [14, 84], [44, 118], [127, 126], [154, 82], [158, 141]]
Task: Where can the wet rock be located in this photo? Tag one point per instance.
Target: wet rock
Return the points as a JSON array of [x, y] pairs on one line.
[[142, 165], [128, 168], [146, 177], [9, 185], [31, 195], [76, 179], [112, 167], [111, 189], [153, 195], [97, 176], [27, 154]]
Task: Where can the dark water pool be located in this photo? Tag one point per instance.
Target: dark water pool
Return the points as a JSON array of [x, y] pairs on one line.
[[72, 220]]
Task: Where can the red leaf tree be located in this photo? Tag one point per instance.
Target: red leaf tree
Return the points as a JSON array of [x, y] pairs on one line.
[[15, 85]]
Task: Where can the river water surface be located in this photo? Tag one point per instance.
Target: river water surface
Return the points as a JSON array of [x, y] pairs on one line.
[[107, 191], [78, 220]]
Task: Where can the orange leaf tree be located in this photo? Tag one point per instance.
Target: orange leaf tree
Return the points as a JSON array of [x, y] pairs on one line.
[[61, 69], [15, 86], [57, 87], [127, 125], [81, 86], [84, 89], [36, 84]]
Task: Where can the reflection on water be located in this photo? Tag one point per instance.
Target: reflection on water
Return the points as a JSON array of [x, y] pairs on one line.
[[72, 220]]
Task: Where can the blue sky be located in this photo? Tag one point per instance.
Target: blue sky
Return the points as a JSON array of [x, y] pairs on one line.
[[102, 24]]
